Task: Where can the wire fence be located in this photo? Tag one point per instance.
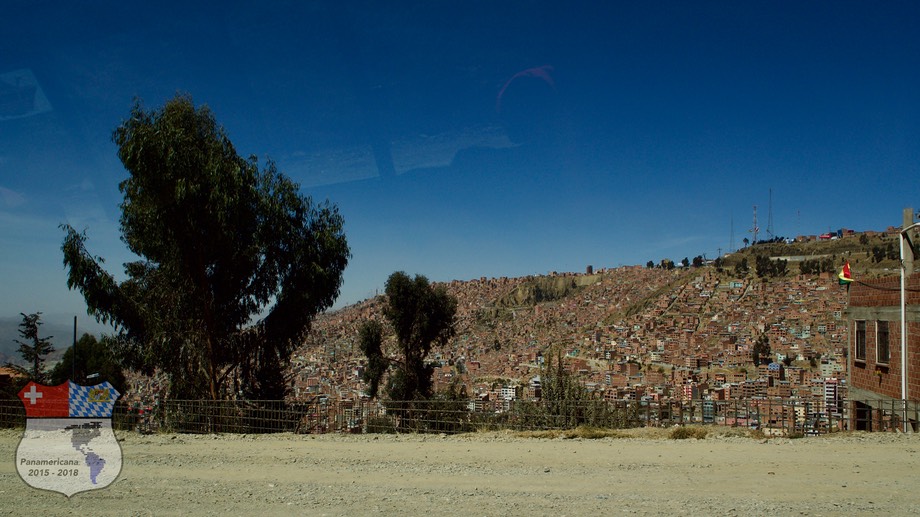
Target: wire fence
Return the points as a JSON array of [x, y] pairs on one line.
[[782, 417]]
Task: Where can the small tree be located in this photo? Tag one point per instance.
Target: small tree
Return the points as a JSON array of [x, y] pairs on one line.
[[34, 349], [761, 350], [741, 268], [421, 316], [565, 402], [763, 266]]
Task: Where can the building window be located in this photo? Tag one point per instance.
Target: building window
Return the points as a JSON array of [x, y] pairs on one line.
[[882, 352], [860, 340]]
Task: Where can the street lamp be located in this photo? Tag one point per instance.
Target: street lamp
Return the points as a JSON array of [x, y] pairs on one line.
[[905, 239]]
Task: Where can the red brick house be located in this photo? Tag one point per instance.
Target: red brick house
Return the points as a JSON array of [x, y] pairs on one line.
[[874, 352]]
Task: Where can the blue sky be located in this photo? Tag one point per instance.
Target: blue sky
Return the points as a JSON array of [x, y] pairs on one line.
[[628, 131]]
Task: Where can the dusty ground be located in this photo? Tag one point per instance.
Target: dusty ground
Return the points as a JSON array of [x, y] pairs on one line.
[[489, 474]]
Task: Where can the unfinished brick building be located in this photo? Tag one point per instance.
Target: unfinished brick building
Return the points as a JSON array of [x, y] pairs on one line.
[[875, 389]]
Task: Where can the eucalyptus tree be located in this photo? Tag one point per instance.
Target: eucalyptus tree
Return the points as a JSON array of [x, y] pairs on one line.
[[234, 263], [420, 316]]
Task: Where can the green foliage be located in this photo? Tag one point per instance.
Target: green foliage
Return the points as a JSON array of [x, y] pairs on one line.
[[381, 425], [558, 385], [447, 411], [91, 356], [34, 349], [370, 340], [585, 432], [565, 403], [760, 352], [817, 266], [222, 241], [741, 268], [685, 432], [420, 316], [766, 267], [888, 251]]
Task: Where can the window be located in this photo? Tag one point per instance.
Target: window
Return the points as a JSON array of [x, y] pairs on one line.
[[882, 352], [860, 340]]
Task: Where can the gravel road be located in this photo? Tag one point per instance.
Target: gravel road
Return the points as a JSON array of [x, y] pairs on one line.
[[489, 474]]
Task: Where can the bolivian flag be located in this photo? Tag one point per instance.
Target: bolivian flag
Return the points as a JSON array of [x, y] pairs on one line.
[[844, 277]]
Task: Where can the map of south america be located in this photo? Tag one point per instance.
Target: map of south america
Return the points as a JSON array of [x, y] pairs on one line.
[[81, 436]]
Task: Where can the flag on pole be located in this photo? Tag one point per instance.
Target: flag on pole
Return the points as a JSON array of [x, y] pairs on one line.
[[844, 278]]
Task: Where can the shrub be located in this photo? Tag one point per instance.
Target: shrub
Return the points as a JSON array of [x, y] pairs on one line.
[[381, 425], [682, 433]]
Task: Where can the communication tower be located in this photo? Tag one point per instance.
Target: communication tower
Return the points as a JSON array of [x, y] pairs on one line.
[[754, 229]]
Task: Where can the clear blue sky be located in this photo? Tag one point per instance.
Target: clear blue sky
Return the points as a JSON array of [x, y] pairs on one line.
[[631, 131]]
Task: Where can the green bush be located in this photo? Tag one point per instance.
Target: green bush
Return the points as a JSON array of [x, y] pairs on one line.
[[682, 433]]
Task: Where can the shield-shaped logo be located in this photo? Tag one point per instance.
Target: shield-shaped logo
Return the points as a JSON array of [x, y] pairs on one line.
[[68, 445]]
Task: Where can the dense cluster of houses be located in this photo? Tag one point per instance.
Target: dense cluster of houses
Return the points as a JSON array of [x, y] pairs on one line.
[[630, 333]]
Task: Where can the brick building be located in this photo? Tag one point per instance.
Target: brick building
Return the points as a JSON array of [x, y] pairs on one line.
[[874, 317]]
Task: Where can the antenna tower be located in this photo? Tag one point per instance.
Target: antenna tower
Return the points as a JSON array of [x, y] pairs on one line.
[[754, 229]]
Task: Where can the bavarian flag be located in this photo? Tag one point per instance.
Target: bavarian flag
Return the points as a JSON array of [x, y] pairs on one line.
[[844, 278]]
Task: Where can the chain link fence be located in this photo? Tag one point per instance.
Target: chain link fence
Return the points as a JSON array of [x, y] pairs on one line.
[[772, 416]]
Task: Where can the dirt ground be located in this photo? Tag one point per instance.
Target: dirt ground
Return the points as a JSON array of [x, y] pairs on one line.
[[489, 474]]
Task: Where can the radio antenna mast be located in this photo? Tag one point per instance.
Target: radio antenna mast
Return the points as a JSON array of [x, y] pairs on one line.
[[754, 229]]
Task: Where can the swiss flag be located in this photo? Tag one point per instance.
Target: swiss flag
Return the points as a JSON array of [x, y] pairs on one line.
[[46, 401]]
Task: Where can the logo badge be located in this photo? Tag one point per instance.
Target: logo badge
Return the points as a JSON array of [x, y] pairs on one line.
[[68, 446]]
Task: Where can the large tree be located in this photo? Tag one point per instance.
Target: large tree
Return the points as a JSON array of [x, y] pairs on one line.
[[34, 350], [235, 262], [420, 315]]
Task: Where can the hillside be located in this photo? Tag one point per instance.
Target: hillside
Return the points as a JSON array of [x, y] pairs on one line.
[[678, 320]]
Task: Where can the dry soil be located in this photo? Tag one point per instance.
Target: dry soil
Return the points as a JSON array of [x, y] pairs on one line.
[[489, 474]]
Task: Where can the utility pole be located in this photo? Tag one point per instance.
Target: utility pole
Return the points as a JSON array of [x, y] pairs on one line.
[[907, 269], [73, 362]]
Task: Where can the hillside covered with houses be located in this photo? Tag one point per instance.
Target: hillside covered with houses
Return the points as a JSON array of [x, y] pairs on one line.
[[632, 333]]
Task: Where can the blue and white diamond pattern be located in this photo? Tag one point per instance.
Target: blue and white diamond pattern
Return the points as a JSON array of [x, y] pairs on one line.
[[92, 401]]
